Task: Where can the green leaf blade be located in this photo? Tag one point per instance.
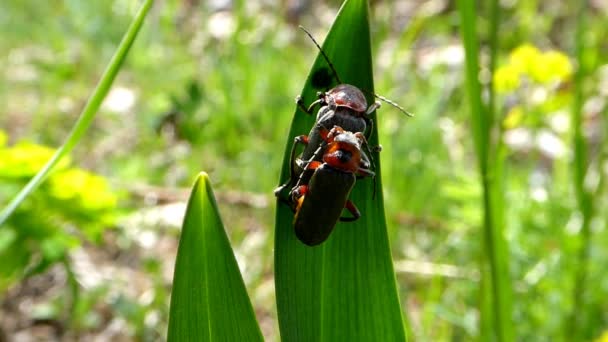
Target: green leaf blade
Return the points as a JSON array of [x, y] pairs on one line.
[[209, 301], [88, 112], [495, 287], [345, 288]]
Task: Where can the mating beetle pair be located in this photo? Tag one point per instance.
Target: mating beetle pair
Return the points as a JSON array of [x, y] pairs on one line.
[[323, 176], [319, 198]]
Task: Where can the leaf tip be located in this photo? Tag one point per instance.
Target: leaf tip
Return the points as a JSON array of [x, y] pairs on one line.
[[202, 181]]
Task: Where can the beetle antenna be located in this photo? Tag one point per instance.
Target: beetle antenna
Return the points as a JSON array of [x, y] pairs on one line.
[[390, 102], [331, 65], [333, 69]]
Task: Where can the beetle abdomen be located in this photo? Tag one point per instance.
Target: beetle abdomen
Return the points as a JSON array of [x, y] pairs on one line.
[[322, 206]]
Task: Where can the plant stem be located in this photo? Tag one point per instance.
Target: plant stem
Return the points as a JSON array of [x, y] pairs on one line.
[[495, 307], [583, 197], [88, 112]]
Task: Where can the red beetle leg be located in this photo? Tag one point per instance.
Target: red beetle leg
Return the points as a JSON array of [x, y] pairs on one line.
[[323, 131], [308, 165], [301, 139], [300, 191], [326, 134], [350, 206], [331, 135]]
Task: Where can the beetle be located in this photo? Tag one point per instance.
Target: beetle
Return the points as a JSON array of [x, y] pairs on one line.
[[320, 201], [344, 105]]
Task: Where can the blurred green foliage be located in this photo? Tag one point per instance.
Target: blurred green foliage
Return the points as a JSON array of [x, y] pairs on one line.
[[213, 89], [72, 207]]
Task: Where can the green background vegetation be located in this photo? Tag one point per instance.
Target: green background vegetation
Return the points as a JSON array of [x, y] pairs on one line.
[[203, 88]]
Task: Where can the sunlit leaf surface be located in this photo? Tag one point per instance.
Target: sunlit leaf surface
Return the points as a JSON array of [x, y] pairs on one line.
[[343, 289], [209, 301]]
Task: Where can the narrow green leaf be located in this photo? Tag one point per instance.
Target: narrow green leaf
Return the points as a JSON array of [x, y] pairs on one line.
[[495, 292], [87, 114], [345, 288], [209, 301], [575, 324]]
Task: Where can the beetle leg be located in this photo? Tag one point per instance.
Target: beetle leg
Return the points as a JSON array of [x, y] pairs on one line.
[[300, 139], [298, 192], [373, 107], [310, 109], [369, 123], [279, 189], [324, 133], [307, 166], [365, 172], [312, 164], [350, 206], [367, 161], [286, 201], [297, 196]]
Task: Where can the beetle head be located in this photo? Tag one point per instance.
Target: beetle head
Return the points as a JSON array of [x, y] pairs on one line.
[[346, 95], [344, 150]]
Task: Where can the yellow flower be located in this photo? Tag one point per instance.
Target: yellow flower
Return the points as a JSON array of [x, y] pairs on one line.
[[524, 58], [506, 79], [92, 191], [24, 159], [552, 66], [603, 338], [540, 67]]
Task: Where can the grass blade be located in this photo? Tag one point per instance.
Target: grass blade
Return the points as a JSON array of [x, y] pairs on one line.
[[345, 288], [209, 301], [88, 112], [495, 292], [575, 320]]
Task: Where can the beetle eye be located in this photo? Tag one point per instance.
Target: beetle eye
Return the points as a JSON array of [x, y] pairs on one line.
[[344, 156]]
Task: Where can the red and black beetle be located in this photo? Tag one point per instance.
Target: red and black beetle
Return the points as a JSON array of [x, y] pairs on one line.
[[344, 105], [319, 203], [319, 188]]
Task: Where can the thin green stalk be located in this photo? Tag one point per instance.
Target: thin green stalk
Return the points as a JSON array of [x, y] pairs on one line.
[[74, 288], [584, 200], [493, 41], [88, 113], [495, 303], [497, 163]]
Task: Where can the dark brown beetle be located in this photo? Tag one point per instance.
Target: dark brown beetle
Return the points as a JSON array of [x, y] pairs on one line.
[[319, 203], [344, 106]]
